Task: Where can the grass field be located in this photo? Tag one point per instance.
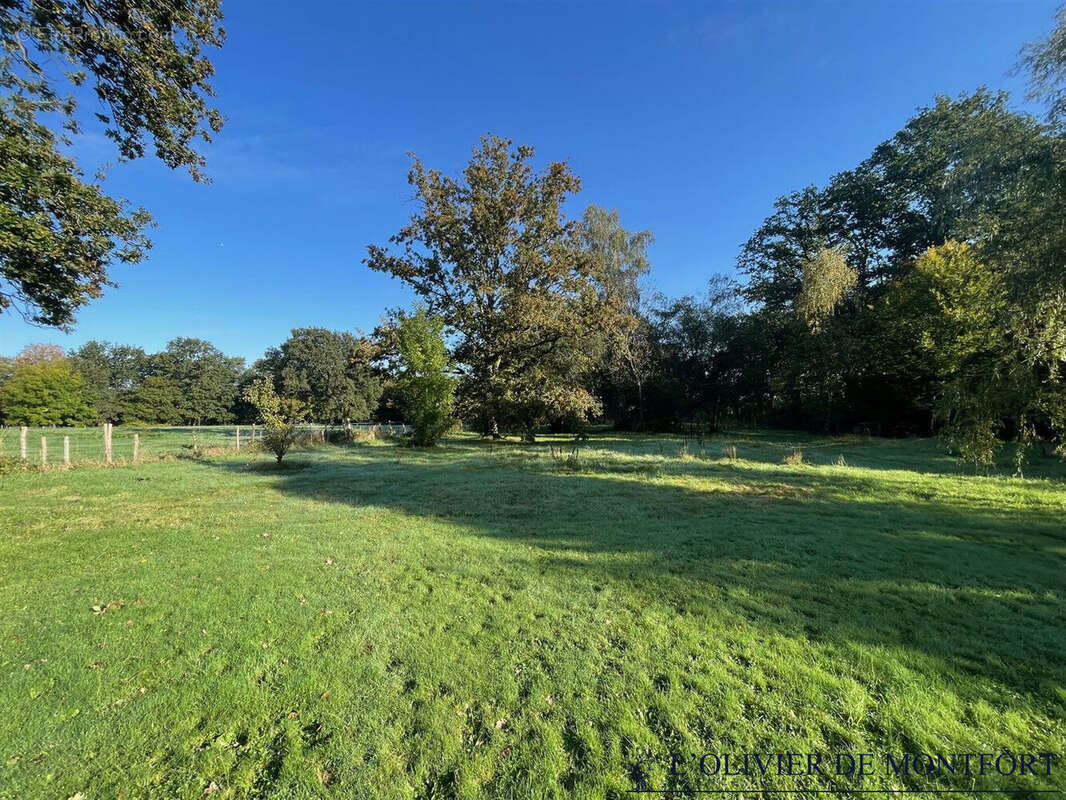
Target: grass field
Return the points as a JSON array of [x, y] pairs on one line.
[[504, 620]]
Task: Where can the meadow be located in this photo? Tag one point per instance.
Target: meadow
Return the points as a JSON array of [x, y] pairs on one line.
[[507, 620]]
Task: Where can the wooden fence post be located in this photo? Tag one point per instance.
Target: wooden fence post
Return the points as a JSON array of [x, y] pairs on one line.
[[238, 438], [107, 442], [66, 451], [44, 451], [22, 442], [136, 446]]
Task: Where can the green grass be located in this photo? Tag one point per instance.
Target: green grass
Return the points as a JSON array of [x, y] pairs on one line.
[[87, 444], [520, 621]]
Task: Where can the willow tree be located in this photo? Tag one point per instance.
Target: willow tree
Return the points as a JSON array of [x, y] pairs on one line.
[[622, 257], [826, 280], [1045, 61], [492, 253]]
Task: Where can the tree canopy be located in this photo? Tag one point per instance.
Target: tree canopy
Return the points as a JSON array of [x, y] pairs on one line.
[[493, 255], [147, 72], [331, 372], [45, 393], [425, 387]]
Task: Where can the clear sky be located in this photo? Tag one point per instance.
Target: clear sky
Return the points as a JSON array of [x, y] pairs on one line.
[[689, 118]]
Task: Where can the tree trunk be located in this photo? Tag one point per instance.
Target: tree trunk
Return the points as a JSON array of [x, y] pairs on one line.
[[640, 405]]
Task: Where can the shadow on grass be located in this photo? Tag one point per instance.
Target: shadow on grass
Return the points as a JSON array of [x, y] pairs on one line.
[[921, 455], [815, 554]]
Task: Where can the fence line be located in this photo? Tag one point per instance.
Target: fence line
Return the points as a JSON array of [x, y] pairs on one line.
[[107, 445]]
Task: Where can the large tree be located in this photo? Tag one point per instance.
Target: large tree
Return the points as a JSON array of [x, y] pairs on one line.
[[114, 372], [492, 253], [46, 393], [205, 380], [149, 80], [331, 372], [968, 169], [622, 259]]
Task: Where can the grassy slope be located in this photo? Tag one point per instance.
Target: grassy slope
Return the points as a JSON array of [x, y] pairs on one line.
[[482, 621]]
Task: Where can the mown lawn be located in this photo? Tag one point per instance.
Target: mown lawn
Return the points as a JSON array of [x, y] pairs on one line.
[[523, 620]]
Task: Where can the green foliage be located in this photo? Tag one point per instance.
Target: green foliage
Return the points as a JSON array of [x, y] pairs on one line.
[[145, 63], [622, 255], [626, 363], [280, 417], [825, 279], [330, 372], [966, 170], [425, 387], [1045, 61], [699, 357], [146, 66], [156, 399], [115, 373], [492, 254], [58, 233], [191, 382], [961, 313], [204, 377], [46, 393]]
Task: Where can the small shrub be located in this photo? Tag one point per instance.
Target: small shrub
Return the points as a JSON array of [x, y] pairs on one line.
[[278, 438], [841, 462], [280, 417], [565, 460], [794, 458], [10, 464]]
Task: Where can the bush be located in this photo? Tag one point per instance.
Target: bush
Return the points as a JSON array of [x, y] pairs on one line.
[[280, 416], [425, 389], [49, 393]]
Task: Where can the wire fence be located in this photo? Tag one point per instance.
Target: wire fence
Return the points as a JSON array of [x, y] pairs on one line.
[[58, 446]]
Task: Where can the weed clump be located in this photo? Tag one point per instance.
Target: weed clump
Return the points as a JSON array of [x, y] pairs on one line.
[[561, 459]]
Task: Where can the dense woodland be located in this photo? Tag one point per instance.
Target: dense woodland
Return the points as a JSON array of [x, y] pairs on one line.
[[921, 291]]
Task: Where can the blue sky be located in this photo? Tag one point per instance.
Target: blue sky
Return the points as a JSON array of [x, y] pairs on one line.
[[689, 118]]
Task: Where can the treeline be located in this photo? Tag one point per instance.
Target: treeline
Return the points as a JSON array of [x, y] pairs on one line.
[[191, 382], [922, 291]]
